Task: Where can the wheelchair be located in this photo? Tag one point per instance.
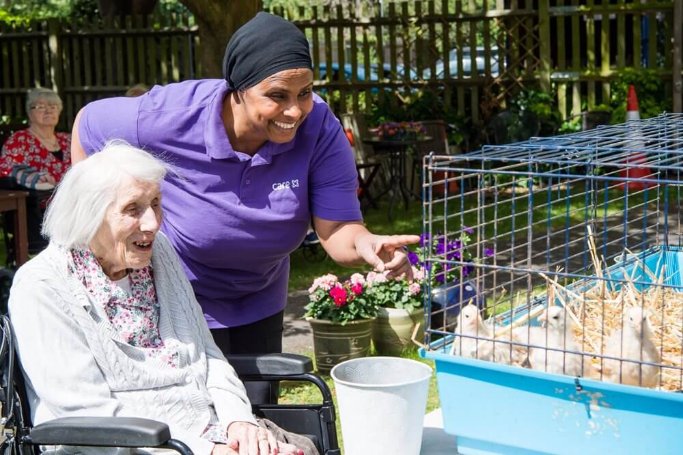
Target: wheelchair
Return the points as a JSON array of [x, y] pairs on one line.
[[19, 437]]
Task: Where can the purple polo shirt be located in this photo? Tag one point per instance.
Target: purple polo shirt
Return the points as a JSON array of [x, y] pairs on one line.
[[233, 218]]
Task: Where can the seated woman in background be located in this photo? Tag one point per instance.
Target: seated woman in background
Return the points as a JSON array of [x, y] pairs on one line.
[[39, 146], [109, 300], [37, 157]]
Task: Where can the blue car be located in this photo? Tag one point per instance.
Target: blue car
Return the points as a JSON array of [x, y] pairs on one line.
[[360, 72], [496, 60]]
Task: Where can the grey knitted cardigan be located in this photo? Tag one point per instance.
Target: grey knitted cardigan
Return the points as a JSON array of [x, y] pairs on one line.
[[76, 364]]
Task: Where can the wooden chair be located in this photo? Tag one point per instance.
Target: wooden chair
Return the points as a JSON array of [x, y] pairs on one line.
[[438, 144], [366, 165]]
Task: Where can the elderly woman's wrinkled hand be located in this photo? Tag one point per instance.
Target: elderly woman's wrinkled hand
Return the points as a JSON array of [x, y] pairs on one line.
[[387, 253], [248, 439]]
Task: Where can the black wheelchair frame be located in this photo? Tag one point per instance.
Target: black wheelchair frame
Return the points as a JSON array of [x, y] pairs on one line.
[[20, 437]]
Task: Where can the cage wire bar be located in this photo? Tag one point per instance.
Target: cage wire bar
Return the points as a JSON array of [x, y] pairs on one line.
[[588, 221]]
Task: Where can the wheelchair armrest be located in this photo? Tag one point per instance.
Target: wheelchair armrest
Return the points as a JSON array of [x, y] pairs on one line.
[[103, 432], [270, 364]]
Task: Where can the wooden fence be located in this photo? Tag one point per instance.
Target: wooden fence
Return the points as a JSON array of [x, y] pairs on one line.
[[466, 58], [574, 48], [88, 60]]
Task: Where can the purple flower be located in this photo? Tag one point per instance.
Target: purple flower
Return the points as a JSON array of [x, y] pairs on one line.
[[454, 250], [468, 230], [413, 258], [440, 247], [488, 252], [454, 255]]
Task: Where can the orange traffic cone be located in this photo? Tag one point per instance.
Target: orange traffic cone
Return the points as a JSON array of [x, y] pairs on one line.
[[632, 110], [636, 168], [635, 162]]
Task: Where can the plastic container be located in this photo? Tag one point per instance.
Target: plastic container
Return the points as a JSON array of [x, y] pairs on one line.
[[532, 412], [381, 403]]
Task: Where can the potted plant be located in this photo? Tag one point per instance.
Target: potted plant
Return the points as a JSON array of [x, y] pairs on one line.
[[447, 263], [399, 131], [400, 310], [340, 314]]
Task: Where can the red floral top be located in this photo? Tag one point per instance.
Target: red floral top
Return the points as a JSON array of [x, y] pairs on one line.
[[22, 147]]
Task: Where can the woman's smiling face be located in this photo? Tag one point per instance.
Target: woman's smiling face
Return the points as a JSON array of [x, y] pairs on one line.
[[125, 238], [275, 107]]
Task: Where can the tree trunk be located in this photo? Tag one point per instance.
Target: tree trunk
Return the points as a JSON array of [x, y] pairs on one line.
[[217, 20]]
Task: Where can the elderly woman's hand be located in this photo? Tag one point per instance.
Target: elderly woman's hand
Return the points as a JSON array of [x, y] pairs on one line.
[[249, 439], [387, 252], [47, 178]]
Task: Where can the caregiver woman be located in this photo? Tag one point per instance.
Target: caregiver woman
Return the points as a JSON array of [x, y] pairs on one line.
[[258, 156]]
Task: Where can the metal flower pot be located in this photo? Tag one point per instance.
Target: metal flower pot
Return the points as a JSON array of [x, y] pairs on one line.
[[333, 342]]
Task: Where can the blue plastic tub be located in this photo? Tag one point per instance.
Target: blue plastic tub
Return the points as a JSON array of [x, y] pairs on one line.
[[500, 409]]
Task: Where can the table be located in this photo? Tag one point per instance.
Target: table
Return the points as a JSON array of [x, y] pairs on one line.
[[397, 152], [15, 202], [435, 441]]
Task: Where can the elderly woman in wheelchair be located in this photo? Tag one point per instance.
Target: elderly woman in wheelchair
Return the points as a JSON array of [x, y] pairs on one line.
[[106, 323]]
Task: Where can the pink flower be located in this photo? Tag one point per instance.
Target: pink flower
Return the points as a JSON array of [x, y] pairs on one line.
[[357, 288], [376, 277], [324, 282], [414, 288], [339, 295], [357, 278], [418, 274]]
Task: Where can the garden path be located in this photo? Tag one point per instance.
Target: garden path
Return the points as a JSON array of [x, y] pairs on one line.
[[297, 337]]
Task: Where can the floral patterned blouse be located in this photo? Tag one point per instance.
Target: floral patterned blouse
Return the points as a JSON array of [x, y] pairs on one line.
[[22, 147], [133, 313]]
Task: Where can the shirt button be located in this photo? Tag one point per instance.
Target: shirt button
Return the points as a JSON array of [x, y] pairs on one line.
[[248, 181]]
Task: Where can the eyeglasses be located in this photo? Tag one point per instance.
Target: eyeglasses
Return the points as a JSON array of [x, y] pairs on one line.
[[46, 107]]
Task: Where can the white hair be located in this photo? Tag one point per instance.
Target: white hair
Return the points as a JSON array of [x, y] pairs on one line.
[[36, 94], [80, 201]]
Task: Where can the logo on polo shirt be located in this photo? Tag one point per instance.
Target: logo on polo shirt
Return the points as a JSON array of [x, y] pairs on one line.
[[286, 185]]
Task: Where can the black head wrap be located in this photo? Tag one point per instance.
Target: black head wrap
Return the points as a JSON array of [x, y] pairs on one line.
[[265, 45]]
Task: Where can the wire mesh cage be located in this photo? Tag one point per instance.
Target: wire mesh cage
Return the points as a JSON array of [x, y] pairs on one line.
[[561, 255]]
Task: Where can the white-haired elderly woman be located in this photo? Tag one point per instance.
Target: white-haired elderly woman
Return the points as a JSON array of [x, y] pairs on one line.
[[107, 324]]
